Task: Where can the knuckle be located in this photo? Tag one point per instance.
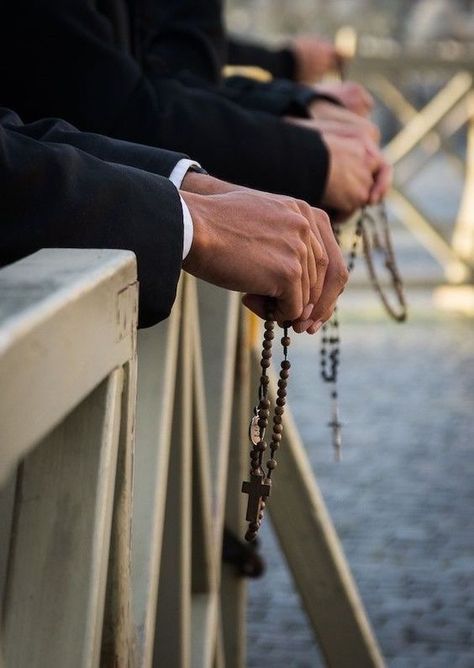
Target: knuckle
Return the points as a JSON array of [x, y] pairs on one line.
[[293, 271], [301, 251], [303, 225], [342, 274], [322, 262], [322, 217], [303, 206]]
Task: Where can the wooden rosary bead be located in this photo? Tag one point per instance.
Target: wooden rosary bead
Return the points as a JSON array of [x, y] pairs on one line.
[[277, 419], [277, 428], [284, 374], [266, 354], [263, 412], [264, 380], [285, 341], [272, 464], [279, 410], [262, 423], [281, 401], [267, 345], [274, 445], [261, 446], [282, 383], [276, 437], [264, 403], [281, 392], [269, 324], [286, 364], [269, 335], [264, 363], [250, 536]]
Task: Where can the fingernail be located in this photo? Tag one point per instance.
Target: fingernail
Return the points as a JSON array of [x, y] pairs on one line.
[[302, 325], [307, 311], [318, 325], [311, 330]]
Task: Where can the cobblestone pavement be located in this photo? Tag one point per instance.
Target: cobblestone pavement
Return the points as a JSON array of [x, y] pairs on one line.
[[403, 498]]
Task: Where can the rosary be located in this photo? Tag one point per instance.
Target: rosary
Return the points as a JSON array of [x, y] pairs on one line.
[[260, 485], [380, 242]]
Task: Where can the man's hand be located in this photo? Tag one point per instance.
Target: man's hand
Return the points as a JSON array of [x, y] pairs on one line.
[[314, 57], [352, 95], [358, 174], [348, 121], [268, 246]]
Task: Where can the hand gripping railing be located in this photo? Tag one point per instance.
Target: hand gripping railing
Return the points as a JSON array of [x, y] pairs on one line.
[[95, 572]]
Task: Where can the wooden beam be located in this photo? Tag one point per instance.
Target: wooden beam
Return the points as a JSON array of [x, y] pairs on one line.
[[157, 370], [172, 643], [428, 118], [455, 267], [65, 324], [60, 542]]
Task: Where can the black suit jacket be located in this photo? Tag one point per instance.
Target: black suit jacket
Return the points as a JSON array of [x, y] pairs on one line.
[[187, 39], [279, 62], [60, 188], [68, 58]]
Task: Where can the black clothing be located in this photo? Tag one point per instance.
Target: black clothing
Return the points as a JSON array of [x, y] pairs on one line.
[[55, 195], [66, 58], [187, 39], [280, 63]]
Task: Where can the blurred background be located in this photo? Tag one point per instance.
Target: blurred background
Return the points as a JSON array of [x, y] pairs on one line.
[[402, 499]]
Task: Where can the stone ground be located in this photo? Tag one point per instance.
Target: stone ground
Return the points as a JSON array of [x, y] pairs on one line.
[[403, 498]]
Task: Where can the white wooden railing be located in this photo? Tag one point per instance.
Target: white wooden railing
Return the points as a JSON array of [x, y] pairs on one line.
[[112, 509]]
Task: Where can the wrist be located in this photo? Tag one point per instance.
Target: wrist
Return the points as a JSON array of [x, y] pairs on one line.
[[198, 206], [203, 184]]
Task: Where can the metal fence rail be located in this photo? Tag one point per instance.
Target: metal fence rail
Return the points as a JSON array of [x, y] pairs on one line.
[[95, 570]]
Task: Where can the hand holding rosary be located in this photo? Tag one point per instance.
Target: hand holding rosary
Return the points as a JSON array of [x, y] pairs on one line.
[[259, 486]]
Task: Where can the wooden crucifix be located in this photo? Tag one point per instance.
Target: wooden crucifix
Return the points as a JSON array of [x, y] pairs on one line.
[[257, 491]]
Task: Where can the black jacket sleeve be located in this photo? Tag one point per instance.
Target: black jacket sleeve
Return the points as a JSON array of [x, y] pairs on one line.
[[65, 63], [150, 159], [187, 39], [279, 62], [180, 36], [58, 196]]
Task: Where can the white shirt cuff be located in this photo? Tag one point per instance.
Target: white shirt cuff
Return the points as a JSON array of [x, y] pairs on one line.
[[187, 228], [176, 177], [180, 170]]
